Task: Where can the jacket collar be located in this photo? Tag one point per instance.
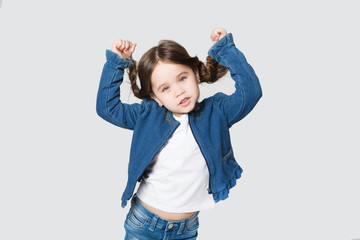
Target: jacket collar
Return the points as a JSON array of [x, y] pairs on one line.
[[195, 114], [169, 118]]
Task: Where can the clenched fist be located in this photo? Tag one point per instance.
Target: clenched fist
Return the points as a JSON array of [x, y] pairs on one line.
[[217, 34], [124, 48]]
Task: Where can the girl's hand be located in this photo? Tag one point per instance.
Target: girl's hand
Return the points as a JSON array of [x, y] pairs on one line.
[[123, 48], [217, 34]]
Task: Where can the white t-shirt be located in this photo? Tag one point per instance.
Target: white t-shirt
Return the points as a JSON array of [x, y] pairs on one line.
[[177, 179]]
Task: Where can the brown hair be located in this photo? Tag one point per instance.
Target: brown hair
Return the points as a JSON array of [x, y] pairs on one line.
[[170, 51]]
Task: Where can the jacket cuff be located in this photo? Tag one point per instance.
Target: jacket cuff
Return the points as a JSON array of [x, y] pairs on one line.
[[227, 40], [116, 61]]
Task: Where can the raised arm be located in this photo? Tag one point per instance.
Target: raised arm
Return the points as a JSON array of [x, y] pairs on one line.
[[108, 104], [248, 90]]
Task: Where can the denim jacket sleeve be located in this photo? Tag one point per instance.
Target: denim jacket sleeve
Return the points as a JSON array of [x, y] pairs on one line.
[[108, 103], [248, 90]]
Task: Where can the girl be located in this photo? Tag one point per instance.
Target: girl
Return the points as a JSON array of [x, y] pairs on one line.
[[181, 151]]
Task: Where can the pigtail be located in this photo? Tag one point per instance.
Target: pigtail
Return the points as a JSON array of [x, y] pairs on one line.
[[211, 71], [133, 72]]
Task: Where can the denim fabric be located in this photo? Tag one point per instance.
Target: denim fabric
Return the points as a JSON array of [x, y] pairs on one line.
[[142, 224], [153, 125]]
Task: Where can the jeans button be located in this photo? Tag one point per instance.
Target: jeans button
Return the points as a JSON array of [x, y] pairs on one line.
[[170, 226]]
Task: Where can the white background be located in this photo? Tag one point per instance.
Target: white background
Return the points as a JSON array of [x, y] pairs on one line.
[[63, 169]]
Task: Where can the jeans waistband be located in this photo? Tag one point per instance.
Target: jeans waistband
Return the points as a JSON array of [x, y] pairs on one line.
[[155, 219]]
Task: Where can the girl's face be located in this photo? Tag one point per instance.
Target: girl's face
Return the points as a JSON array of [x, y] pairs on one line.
[[175, 86]]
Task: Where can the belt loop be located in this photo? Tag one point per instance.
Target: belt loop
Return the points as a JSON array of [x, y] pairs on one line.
[[181, 227], [153, 223]]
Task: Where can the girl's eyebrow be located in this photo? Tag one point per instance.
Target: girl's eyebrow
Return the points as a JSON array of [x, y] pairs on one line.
[[175, 77], [181, 73]]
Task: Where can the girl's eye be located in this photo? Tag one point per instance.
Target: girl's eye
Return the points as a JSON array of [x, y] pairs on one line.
[[165, 89], [182, 79]]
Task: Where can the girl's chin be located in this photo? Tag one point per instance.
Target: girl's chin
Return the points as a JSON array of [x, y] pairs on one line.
[[186, 110]]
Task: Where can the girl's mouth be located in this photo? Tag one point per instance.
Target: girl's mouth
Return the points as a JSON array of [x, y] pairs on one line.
[[185, 102]]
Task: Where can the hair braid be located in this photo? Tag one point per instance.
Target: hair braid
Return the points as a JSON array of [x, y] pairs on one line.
[[132, 71], [212, 71]]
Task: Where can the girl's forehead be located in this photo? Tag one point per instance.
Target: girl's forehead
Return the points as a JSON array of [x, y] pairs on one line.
[[170, 66], [166, 71]]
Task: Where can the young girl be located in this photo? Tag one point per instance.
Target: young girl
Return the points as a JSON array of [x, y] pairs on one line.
[[181, 151]]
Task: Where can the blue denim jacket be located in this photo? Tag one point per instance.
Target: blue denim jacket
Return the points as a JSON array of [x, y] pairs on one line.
[[153, 125]]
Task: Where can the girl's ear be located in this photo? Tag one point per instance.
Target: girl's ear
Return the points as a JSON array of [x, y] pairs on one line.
[[197, 77], [152, 95]]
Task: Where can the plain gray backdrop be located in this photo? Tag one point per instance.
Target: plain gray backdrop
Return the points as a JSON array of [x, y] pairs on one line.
[[63, 169]]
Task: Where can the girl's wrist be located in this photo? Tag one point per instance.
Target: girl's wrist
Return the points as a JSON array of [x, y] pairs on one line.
[[116, 60]]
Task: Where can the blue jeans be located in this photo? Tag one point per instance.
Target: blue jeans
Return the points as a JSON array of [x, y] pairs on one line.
[[143, 224]]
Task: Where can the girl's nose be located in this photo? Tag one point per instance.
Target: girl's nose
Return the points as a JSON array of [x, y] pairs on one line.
[[179, 91]]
